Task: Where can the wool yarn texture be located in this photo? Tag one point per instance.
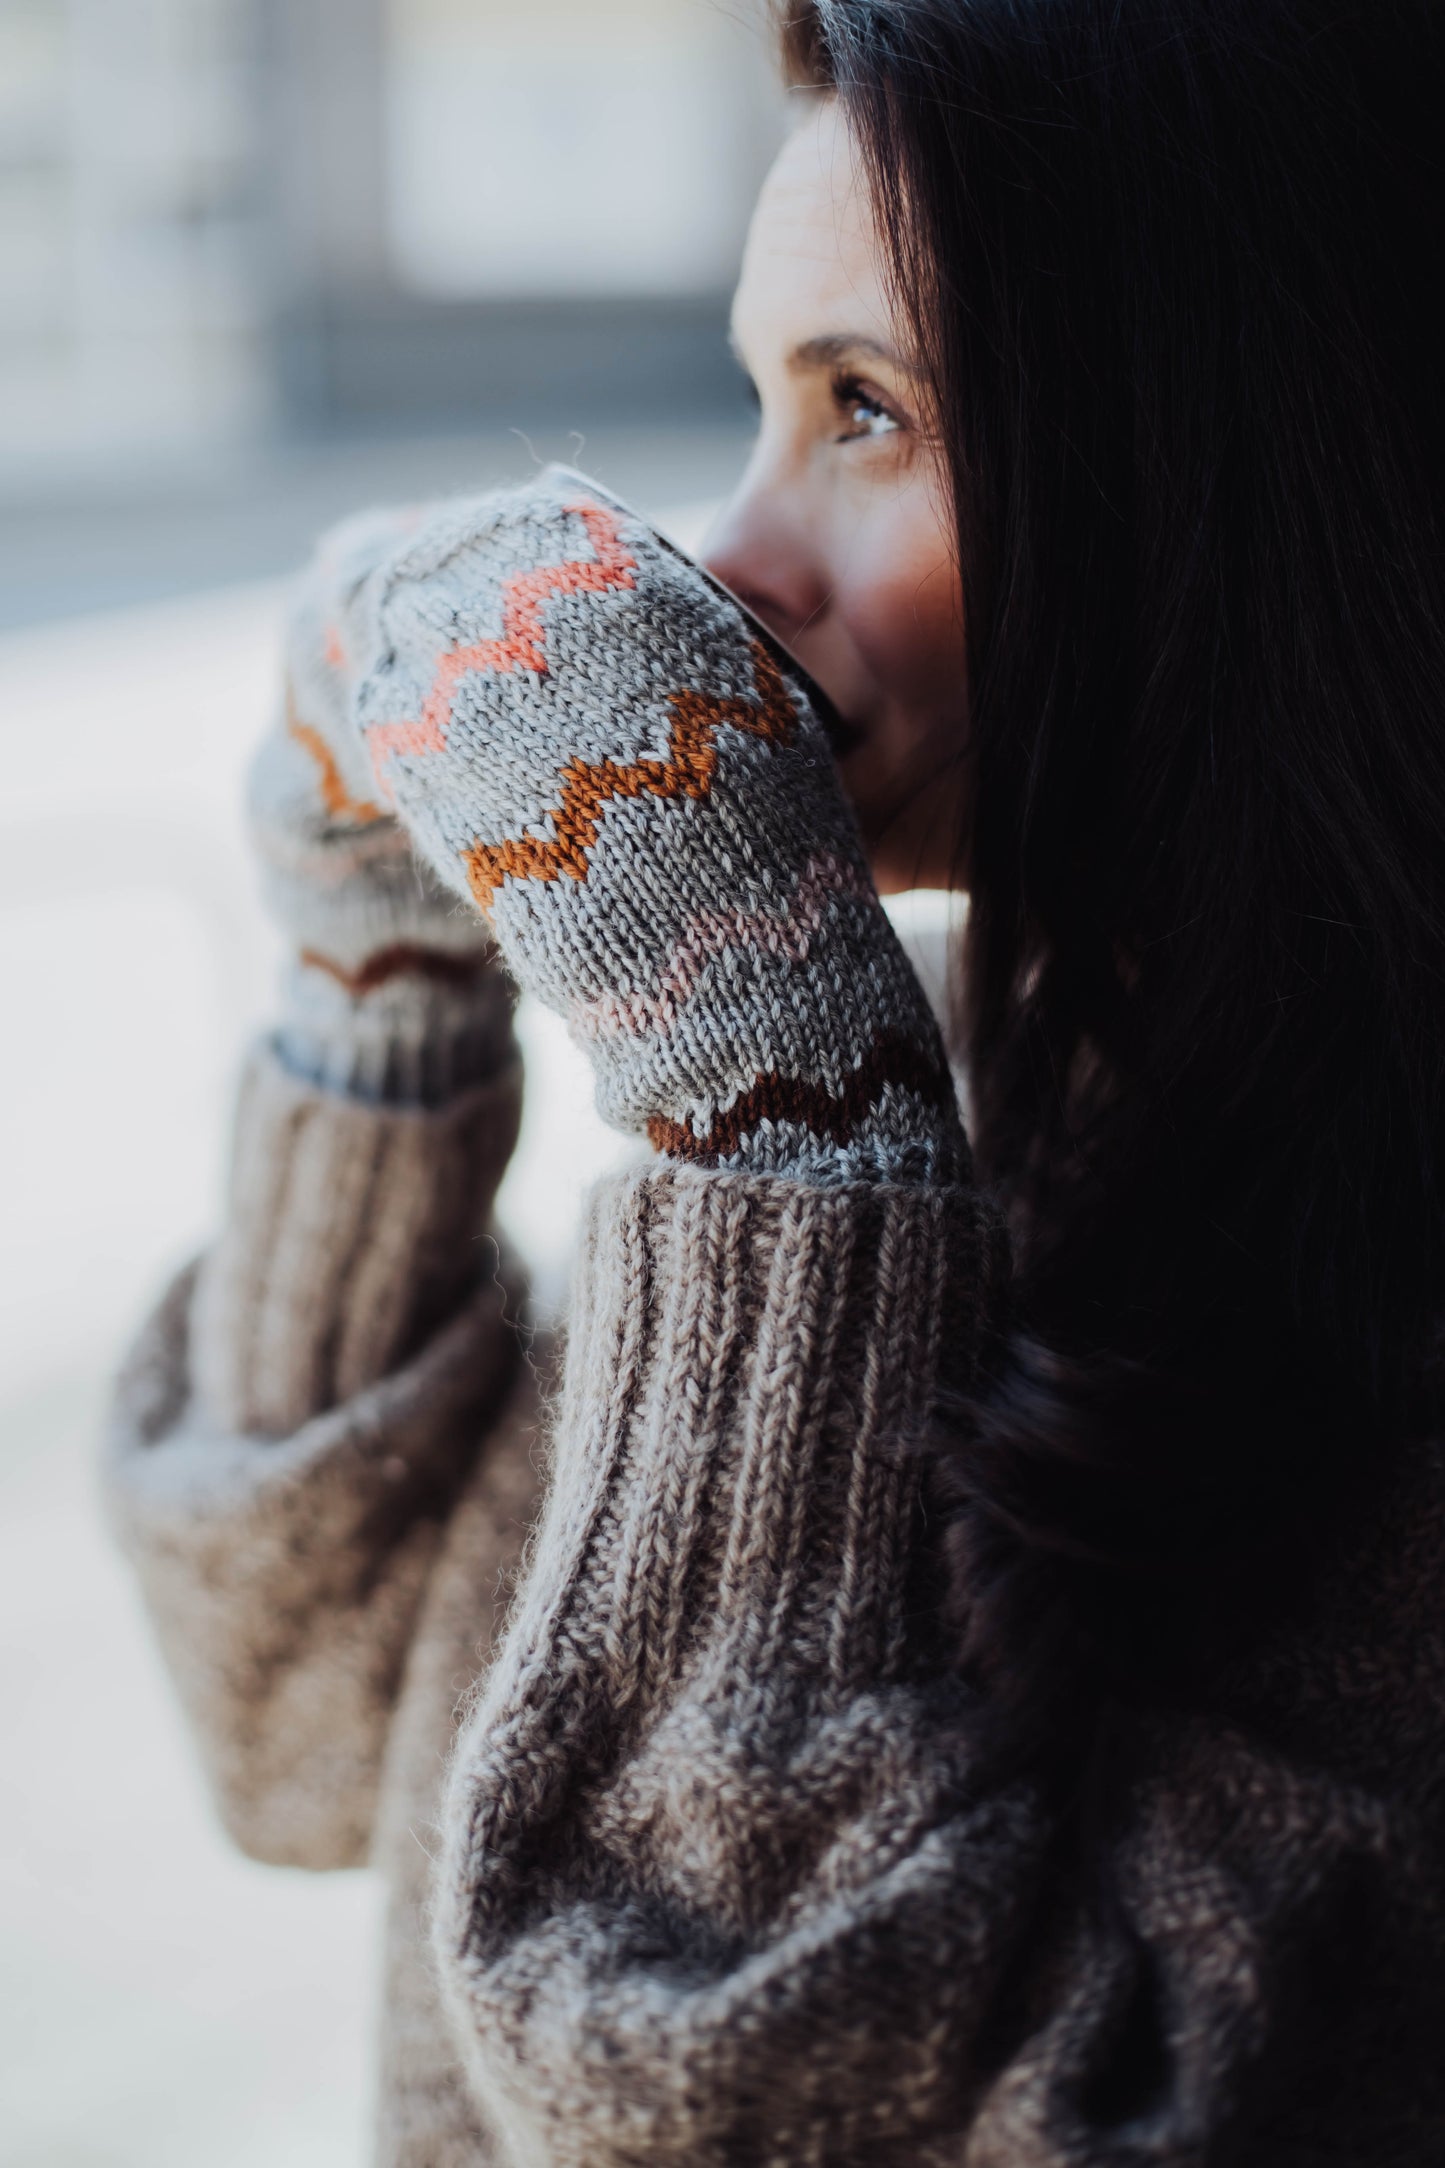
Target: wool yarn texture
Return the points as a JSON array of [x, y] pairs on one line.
[[592, 742], [617, 1652], [393, 989]]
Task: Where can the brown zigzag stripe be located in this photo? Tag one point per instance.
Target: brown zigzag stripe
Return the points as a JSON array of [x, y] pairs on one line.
[[394, 962], [687, 772], [891, 1059]]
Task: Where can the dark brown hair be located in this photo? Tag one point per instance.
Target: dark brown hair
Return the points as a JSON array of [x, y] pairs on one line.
[[1171, 265]]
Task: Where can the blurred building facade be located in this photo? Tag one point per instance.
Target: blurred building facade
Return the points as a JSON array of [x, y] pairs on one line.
[[130, 310], [220, 218]]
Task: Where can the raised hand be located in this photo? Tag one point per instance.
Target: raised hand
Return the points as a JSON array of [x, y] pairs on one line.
[[594, 742], [390, 987]]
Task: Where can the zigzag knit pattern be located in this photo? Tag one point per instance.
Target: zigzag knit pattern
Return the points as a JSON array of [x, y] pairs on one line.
[[595, 743], [392, 990]]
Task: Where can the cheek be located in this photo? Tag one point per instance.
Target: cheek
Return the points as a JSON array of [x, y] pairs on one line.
[[902, 611], [901, 615]]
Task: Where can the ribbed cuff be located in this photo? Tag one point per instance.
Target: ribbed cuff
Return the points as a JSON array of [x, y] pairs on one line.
[[353, 1231], [727, 1558], [749, 1363], [411, 1028], [772, 1353]]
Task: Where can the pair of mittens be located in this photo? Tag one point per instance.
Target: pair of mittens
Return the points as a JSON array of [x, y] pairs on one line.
[[599, 750]]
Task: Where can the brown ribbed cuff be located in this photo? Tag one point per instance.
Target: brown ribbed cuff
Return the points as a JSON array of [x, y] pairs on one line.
[[749, 1362], [353, 1231], [777, 1349]]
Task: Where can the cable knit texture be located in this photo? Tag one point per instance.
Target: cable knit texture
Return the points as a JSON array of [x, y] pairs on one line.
[[592, 741]]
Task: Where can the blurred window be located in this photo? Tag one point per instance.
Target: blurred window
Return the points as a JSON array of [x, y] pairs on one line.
[[215, 213], [128, 289], [569, 148]]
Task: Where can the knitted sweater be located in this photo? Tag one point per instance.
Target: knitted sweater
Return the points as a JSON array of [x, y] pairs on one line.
[[632, 1691], [748, 1905]]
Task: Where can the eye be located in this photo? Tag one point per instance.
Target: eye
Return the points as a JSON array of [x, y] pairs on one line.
[[867, 413]]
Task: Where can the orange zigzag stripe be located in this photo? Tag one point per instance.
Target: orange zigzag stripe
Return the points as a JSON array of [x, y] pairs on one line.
[[520, 646], [335, 796], [687, 772]]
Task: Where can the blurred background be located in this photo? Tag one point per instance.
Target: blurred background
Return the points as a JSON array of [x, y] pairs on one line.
[[255, 250], [261, 262]]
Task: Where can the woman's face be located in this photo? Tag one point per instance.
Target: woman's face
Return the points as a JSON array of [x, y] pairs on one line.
[[839, 534]]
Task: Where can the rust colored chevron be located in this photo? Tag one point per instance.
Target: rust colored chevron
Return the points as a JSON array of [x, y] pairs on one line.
[[587, 785], [335, 796], [890, 1060], [402, 959]]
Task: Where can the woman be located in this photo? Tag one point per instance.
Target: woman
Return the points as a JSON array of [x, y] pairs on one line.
[[968, 1697]]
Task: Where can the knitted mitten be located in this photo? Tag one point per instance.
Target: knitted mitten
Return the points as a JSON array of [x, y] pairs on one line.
[[592, 740], [392, 991]]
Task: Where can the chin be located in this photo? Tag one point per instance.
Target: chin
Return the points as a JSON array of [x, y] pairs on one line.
[[887, 875], [892, 879], [912, 848], [911, 855], [907, 811], [906, 851]]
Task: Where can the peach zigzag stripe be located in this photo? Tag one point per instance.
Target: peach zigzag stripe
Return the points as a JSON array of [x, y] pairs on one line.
[[587, 785], [709, 935], [335, 796], [520, 646], [404, 521]]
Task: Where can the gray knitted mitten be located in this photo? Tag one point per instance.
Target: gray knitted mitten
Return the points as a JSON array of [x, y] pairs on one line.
[[393, 992], [591, 739]]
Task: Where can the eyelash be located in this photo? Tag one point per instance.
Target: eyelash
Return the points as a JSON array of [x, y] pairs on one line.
[[849, 393]]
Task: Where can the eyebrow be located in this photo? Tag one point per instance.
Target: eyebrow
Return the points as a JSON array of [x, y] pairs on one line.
[[832, 347]]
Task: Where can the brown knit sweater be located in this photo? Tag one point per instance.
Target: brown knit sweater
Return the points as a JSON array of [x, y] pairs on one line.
[[692, 1864], [713, 1880]]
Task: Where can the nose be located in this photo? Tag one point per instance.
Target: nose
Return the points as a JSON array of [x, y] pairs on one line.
[[760, 547]]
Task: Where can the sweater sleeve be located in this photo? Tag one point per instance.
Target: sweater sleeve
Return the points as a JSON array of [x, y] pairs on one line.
[[293, 1428], [716, 1887], [723, 1884]]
